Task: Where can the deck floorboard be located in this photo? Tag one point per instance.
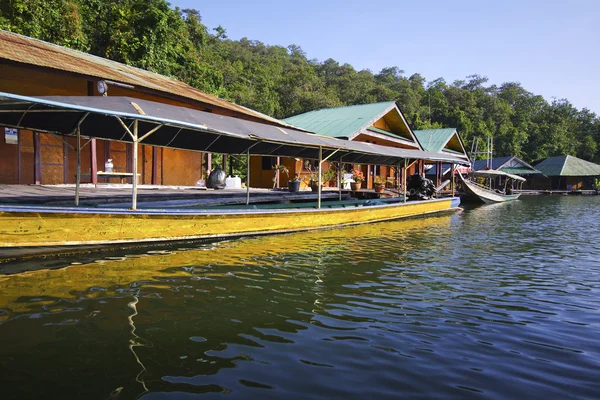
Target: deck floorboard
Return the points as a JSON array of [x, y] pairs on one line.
[[148, 195]]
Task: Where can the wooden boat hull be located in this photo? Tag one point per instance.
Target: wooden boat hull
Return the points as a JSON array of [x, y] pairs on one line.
[[475, 192], [33, 227]]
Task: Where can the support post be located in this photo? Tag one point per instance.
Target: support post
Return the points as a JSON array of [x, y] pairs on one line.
[[208, 164], [37, 159], [320, 183], [452, 177], [368, 176], [78, 173], [277, 161], [404, 179], [397, 174], [135, 166], [248, 177], [93, 162], [155, 165], [340, 178]]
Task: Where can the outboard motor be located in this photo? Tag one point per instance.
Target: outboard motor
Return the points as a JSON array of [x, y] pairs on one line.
[[216, 179], [419, 188]]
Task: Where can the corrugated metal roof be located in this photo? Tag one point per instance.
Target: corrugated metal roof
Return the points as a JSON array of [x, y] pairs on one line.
[[26, 50], [567, 166], [497, 163], [434, 139], [519, 171], [188, 129], [509, 164], [340, 122]]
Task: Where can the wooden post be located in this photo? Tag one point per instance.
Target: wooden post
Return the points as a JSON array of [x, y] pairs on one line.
[[135, 166], [320, 162], [340, 178], [155, 165], [19, 156], [277, 161], [404, 179], [452, 179], [93, 162], [37, 159], [248, 177], [397, 174], [368, 175], [224, 162], [78, 173], [208, 164]]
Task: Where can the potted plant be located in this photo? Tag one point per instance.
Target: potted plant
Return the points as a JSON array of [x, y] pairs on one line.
[[379, 184], [312, 179], [294, 184], [358, 177]]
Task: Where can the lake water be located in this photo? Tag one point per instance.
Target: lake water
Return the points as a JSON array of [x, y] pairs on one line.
[[495, 302]]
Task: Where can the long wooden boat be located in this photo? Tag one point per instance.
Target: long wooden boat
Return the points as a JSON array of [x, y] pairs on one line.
[[25, 228], [474, 191], [138, 121]]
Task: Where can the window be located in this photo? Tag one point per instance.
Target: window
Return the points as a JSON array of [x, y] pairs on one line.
[[268, 163]]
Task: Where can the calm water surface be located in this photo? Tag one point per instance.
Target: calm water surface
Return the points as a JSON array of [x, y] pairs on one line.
[[496, 302]]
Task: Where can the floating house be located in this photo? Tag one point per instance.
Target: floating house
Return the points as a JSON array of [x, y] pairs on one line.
[[30, 67], [377, 123], [566, 173], [443, 141], [33, 67], [510, 164]]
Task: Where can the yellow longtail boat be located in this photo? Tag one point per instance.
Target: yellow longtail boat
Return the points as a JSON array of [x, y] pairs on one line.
[[139, 121]]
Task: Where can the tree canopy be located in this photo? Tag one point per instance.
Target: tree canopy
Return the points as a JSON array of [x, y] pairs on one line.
[[282, 82]]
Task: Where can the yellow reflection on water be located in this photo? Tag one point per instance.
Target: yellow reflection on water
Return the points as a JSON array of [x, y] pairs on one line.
[[122, 271]]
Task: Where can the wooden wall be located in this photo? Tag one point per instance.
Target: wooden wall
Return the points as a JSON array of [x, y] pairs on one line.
[[9, 172], [58, 161]]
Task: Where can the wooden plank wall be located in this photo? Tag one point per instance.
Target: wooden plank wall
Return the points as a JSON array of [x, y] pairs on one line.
[[174, 167]]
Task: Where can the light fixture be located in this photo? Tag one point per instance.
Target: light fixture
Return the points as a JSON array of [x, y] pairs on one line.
[[102, 87]]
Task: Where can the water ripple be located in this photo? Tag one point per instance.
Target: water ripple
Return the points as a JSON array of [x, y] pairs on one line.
[[496, 302]]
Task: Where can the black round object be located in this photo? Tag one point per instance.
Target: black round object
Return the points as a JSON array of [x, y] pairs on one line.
[[216, 179]]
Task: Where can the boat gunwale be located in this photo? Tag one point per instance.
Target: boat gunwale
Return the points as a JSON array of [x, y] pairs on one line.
[[12, 209]]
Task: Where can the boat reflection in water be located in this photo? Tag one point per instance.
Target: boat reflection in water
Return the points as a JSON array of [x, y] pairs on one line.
[[181, 319]]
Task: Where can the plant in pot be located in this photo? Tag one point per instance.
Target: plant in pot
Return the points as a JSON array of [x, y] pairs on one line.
[[379, 184], [312, 179], [358, 177], [294, 184]]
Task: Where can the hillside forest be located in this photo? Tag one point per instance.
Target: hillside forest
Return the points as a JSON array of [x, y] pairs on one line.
[[283, 81]]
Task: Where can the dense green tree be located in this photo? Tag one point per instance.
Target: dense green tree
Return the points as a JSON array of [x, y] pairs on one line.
[[281, 81]]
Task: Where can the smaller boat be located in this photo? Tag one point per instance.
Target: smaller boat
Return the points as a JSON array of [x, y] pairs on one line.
[[475, 191]]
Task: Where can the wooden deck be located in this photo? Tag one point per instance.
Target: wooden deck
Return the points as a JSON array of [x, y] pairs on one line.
[[148, 195]]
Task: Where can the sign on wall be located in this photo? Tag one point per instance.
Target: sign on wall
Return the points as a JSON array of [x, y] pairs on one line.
[[11, 135]]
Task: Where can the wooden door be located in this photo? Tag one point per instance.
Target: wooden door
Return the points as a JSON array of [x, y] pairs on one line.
[[53, 160]]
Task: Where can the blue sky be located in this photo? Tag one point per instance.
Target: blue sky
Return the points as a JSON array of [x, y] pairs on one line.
[[551, 47]]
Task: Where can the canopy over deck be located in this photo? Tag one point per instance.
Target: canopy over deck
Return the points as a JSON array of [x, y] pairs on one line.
[[491, 173], [113, 118]]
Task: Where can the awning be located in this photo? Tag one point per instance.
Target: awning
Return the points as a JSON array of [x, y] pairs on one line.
[[188, 129], [491, 173]]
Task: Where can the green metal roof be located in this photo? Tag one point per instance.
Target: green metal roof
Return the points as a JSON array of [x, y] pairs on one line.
[[567, 166], [519, 171], [434, 140], [339, 122], [386, 133]]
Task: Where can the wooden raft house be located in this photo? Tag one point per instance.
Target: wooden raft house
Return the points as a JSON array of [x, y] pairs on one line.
[[67, 112], [32, 67], [137, 121]]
